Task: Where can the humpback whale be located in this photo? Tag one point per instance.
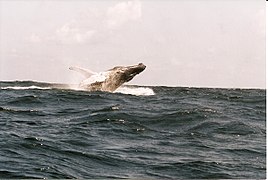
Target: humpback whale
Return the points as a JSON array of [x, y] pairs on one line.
[[109, 80]]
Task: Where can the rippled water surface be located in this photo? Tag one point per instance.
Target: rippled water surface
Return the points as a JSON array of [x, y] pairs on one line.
[[53, 131]]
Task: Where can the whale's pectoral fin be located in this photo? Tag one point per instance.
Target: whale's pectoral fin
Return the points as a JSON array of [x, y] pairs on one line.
[[85, 72]]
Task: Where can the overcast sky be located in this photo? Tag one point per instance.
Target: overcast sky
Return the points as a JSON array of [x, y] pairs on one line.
[[207, 43]]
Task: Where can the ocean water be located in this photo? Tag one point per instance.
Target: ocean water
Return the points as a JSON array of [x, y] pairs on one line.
[[58, 131]]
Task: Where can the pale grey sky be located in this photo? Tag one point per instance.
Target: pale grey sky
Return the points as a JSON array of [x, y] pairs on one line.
[[207, 43]]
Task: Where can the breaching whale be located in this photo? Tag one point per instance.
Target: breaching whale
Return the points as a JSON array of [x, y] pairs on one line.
[[109, 80]]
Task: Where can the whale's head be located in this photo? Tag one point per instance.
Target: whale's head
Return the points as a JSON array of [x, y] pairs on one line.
[[129, 72], [121, 74]]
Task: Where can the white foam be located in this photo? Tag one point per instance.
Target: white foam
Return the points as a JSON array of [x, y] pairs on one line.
[[24, 87], [137, 91]]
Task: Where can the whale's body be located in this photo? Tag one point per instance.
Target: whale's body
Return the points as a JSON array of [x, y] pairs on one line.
[[109, 80]]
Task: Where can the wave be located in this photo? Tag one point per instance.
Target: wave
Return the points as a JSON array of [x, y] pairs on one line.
[[178, 133], [23, 87], [132, 90]]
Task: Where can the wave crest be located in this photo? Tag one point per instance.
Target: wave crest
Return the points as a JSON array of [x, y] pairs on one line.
[[24, 87]]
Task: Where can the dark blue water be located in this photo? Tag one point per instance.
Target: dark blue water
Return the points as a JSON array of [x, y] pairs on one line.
[[50, 131]]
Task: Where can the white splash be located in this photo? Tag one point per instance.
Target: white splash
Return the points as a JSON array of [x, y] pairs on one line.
[[24, 87], [98, 77], [137, 91]]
